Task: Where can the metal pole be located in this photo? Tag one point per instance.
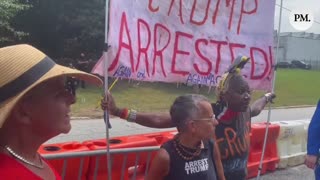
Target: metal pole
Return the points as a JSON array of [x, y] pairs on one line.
[[106, 114], [273, 87], [98, 153]]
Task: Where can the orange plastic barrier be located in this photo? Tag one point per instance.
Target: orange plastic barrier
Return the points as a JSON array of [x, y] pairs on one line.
[[73, 164], [161, 137], [256, 144], [118, 159]]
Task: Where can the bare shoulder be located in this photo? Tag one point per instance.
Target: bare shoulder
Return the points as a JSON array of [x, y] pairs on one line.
[[163, 156], [160, 166]]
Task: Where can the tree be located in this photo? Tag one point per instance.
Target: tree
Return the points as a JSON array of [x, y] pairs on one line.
[[9, 9], [65, 28]]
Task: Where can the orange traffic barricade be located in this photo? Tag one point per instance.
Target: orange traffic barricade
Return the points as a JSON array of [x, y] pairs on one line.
[[75, 168], [120, 162], [271, 157], [161, 137]]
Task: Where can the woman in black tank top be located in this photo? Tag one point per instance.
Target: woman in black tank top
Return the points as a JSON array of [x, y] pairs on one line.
[[190, 155]]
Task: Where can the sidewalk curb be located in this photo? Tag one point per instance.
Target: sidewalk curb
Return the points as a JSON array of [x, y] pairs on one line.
[[266, 108], [291, 107], [80, 118]]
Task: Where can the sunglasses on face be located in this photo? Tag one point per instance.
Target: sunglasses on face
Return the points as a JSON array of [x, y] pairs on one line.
[[71, 85]]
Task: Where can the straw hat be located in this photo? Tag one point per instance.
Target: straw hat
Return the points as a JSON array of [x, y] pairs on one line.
[[23, 67]]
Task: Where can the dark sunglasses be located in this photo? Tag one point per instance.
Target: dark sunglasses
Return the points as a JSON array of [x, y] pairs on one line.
[[71, 85]]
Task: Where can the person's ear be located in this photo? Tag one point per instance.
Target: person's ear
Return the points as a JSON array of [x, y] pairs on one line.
[[191, 126], [21, 113]]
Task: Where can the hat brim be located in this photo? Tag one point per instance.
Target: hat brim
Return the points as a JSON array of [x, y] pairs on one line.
[[55, 71]]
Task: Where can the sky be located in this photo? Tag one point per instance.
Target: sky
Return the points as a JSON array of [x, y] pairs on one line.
[[312, 5]]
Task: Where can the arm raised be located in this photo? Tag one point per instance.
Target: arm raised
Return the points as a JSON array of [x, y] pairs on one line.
[[260, 103], [153, 120]]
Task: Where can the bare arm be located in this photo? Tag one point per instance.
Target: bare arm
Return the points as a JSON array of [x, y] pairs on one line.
[[217, 161], [154, 120], [260, 103], [160, 166]]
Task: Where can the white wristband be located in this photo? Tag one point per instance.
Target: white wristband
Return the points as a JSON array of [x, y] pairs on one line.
[[132, 116], [268, 97]]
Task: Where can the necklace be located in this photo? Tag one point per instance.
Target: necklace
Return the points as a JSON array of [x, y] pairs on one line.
[[23, 159], [185, 153]]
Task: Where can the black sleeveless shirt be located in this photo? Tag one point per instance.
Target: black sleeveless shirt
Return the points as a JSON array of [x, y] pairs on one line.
[[233, 141], [201, 167]]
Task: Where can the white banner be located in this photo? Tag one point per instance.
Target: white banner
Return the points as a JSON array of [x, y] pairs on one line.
[[190, 41]]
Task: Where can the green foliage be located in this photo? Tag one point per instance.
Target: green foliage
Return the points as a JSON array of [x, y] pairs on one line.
[[66, 28], [9, 9]]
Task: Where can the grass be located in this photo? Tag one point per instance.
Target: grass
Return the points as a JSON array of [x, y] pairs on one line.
[[297, 87], [293, 88]]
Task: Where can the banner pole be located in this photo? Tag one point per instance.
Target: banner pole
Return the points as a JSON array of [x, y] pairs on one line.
[[273, 89], [106, 114]]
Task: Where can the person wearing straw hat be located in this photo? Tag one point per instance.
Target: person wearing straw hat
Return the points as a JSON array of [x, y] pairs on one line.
[[191, 154], [232, 110], [36, 95]]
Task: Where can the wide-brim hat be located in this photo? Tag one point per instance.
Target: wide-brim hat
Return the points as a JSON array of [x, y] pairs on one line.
[[22, 67]]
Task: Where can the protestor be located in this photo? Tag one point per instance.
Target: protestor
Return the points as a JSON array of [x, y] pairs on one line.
[[191, 154], [232, 110], [313, 144], [36, 95]]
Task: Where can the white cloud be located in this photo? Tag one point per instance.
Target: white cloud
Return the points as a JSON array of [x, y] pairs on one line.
[[311, 5]]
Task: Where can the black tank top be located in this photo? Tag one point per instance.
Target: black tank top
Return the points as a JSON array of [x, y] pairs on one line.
[[233, 141], [201, 167]]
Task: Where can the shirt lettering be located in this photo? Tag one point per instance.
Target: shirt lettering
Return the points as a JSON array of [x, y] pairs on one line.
[[193, 167]]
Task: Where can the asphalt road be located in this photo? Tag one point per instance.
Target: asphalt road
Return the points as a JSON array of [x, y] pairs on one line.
[[86, 129]]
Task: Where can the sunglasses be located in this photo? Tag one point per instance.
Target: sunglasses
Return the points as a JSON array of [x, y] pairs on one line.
[[71, 85]]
